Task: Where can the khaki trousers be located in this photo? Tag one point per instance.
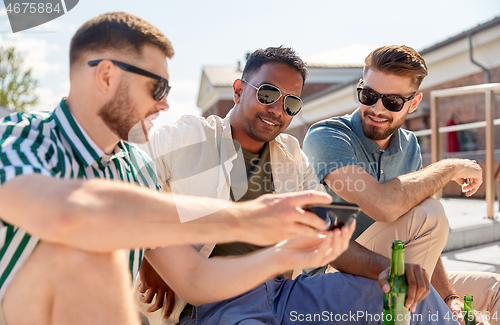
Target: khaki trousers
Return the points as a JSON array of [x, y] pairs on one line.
[[484, 286], [424, 230]]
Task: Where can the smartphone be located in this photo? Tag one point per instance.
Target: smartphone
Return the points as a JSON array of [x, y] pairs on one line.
[[336, 214]]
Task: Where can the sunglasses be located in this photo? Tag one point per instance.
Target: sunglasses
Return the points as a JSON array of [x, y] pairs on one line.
[[393, 103], [268, 94], [162, 88]]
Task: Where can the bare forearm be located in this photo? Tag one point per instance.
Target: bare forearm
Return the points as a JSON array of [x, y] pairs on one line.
[[100, 215], [198, 280], [440, 280], [213, 279], [358, 260], [103, 215], [407, 191], [387, 202]]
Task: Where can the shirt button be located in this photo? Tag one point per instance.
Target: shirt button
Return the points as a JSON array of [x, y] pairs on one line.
[[381, 171]]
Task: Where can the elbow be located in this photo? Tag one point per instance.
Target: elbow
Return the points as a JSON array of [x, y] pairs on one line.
[[65, 224], [197, 294], [383, 213], [195, 302], [72, 222], [191, 297]]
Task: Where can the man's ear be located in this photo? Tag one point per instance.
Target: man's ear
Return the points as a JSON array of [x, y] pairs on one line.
[[105, 76], [237, 90], [415, 101]]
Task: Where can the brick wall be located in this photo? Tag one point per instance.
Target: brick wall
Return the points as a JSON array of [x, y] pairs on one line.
[[463, 109]]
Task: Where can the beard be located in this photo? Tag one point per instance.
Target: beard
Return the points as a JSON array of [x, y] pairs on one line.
[[378, 133], [117, 113]]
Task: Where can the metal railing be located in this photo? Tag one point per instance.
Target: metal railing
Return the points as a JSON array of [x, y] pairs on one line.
[[435, 131]]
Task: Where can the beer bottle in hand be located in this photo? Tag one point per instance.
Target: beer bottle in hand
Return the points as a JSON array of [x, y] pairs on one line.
[[395, 312], [469, 317]]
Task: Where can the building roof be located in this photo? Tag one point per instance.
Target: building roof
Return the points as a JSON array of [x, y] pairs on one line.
[[349, 56], [220, 76], [359, 47], [479, 28], [4, 111]]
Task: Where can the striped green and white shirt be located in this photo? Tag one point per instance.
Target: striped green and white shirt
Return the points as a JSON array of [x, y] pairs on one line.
[[54, 144]]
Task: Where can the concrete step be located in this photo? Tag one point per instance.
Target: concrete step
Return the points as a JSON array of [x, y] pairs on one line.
[[482, 258], [469, 225]]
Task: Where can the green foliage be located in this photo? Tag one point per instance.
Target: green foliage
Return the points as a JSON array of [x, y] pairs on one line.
[[17, 86]]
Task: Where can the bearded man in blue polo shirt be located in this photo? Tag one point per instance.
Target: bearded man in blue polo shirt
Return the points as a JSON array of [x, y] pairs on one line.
[[366, 158]]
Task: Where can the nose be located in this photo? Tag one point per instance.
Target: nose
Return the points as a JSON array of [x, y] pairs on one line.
[[378, 107], [162, 105], [277, 107]]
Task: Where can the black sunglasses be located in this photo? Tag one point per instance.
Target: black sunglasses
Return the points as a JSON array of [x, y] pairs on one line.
[[393, 103], [162, 88], [268, 94]]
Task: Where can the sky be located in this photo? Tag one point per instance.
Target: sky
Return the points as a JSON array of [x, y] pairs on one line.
[[221, 32]]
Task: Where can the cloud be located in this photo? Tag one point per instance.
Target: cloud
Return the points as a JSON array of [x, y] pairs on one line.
[[47, 100], [64, 87], [4, 24], [38, 54], [72, 28], [175, 111], [52, 26], [49, 97], [181, 90], [183, 87]]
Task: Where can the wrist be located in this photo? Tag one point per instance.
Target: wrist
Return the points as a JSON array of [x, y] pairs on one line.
[[277, 260], [382, 265], [236, 223], [449, 298]]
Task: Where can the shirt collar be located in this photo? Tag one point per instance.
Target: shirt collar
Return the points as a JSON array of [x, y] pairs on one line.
[[84, 149], [370, 145]]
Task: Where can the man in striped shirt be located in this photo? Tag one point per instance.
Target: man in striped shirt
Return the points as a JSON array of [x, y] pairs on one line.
[[69, 200]]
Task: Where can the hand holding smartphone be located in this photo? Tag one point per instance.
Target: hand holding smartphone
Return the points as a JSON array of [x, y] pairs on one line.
[[336, 214]]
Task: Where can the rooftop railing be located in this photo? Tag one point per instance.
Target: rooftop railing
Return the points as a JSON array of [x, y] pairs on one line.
[[435, 131]]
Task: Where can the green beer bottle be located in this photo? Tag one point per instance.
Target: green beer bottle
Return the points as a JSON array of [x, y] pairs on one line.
[[469, 318], [395, 312]]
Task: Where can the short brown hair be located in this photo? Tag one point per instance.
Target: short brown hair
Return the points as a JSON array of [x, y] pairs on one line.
[[398, 60], [117, 31]]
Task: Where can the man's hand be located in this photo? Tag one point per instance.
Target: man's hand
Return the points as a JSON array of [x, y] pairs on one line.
[[306, 252], [457, 308], [152, 284], [470, 169], [272, 218], [418, 284]]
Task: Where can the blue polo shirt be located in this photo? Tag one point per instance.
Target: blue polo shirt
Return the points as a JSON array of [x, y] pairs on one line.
[[339, 141]]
